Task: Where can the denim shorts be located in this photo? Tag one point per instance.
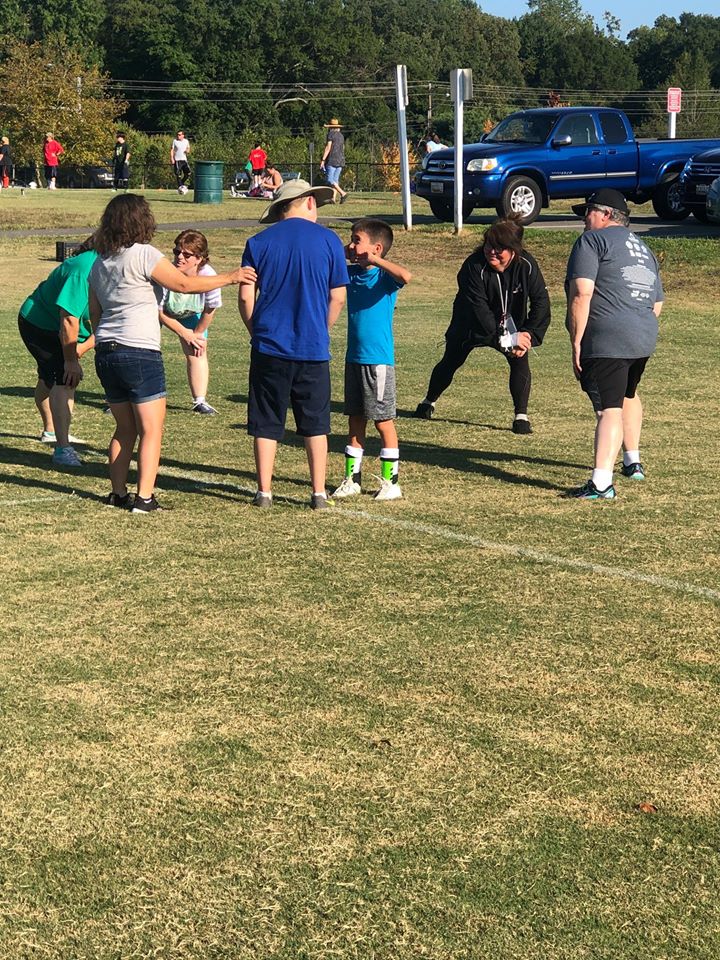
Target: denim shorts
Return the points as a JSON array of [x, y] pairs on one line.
[[45, 347], [333, 175], [129, 374]]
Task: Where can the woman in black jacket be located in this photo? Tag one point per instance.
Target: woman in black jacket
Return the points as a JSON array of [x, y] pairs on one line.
[[502, 302]]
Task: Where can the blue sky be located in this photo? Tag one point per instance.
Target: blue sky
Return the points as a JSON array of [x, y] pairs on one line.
[[630, 15]]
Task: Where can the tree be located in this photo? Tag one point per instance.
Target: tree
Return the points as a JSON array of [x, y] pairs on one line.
[[47, 86]]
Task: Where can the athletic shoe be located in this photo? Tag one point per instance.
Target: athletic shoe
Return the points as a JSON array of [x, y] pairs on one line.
[[48, 436], [634, 471], [388, 491], [262, 500], [344, 198], [124, 501], [424, 410], [66, 457], [521, 426], [348, 488], [320, 502], [590, 492], [204, 408], [146, 506], [106, 410]]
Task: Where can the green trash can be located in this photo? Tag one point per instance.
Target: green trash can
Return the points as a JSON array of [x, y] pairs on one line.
[[208, 180]]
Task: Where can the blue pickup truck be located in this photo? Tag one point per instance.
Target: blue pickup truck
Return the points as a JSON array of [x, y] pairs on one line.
[[535, 156]]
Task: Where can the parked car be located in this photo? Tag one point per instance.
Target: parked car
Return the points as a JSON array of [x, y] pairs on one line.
[[712, 203], [696, 179], [535, 156]]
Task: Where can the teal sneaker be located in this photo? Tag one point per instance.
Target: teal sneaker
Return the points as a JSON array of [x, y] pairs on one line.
[[634, 471], [589, 491]]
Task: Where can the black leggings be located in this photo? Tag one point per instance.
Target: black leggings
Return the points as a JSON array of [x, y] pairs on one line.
[[457, 352]]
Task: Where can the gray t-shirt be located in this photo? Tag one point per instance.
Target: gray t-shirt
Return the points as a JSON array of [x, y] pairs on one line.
[[128, 297], [621, 323], [336, 157]]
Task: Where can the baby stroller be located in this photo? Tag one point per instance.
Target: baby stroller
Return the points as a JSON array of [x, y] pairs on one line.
[[241, 184]]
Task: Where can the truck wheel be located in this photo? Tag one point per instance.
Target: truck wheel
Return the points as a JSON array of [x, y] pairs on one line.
[[701, 214], [667, 201], [521, 196], [446, 212]]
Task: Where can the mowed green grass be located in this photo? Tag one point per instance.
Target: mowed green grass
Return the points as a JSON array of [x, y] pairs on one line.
[[414, 729]]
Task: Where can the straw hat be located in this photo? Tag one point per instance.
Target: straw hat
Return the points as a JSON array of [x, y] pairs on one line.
[[333, 123], [293, 190]]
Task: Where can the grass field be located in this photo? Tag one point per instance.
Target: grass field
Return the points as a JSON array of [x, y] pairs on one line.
[[414, 729]]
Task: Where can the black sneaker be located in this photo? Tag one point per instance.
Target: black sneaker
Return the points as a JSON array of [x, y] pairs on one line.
[[521, 426], [424, 410], [123, 501], [146, 506], [588, 491], [634, 471], [320, 502], [262, 500]]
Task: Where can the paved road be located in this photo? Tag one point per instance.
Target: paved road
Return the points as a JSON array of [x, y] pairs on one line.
[[643, 223]]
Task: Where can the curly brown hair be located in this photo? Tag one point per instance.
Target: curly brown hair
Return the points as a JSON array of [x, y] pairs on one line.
[[126, 220]]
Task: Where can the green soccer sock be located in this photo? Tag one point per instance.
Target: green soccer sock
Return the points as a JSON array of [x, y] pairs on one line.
[[389, 464], [353, 462]]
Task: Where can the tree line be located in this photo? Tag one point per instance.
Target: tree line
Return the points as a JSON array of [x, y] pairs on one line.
[[281, 68]]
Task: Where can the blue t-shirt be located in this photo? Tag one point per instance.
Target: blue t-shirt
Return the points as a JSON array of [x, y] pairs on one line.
[[298, 262], [371, 303]]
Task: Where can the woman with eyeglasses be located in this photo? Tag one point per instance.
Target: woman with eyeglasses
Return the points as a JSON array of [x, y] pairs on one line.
[[502, 302], [125, 289], [194, 312]]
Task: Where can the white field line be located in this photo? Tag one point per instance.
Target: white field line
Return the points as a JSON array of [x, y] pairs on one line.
[[507, 549], [18, 503]]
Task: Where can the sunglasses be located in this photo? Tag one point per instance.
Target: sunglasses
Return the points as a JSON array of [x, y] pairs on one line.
[[489, 248], [178, 252]]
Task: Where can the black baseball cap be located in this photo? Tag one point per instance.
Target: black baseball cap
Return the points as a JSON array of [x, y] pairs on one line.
[[606, 197]]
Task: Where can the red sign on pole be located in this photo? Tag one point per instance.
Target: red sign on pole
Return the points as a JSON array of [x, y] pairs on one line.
[[674, 100]]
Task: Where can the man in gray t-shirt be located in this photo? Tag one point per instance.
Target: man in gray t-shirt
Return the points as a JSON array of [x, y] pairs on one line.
[[614, 297]]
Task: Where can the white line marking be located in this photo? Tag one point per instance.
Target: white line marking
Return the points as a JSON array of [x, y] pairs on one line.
[[17, 503], [508, 549]]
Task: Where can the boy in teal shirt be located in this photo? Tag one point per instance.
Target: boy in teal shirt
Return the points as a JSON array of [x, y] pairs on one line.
[[370, 358]]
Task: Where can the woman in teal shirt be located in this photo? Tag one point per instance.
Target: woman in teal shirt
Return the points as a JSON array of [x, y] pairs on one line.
[[54, 324]]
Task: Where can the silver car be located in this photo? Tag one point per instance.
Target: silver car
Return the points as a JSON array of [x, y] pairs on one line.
[[712, 201]]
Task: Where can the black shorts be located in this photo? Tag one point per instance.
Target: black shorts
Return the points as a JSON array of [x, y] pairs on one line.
[[608, 381], [46, 348], [50, 172], [276, 384]]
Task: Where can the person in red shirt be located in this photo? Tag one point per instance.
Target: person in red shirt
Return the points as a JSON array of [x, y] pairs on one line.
[[51, 151], [258, 159]]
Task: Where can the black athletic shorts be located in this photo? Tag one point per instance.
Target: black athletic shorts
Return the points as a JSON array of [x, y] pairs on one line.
[[276, 384], [608, 381], [46, 348]]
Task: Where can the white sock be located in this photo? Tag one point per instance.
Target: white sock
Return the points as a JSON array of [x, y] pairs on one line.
[[602, 479], [631, 456], [521, 416], [320, 493], [197, 400]]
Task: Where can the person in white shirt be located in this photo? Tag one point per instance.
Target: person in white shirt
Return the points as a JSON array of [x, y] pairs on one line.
[[178, 157]]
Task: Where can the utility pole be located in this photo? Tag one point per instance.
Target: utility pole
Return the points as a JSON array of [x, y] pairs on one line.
[[460, 90], [402, 102]]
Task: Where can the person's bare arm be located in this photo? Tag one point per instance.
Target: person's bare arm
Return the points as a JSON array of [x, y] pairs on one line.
[[206, 318], [579, 297], [191, 337], [336, 301], [393, 269], [69, 331], [657, 309], [171, 278], [246, 303]]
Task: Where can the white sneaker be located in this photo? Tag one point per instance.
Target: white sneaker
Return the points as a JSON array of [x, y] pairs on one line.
[[47, 436], [66, 457], [388, 491], [348, 488]]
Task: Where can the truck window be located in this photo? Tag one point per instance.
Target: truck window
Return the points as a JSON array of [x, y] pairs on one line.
[[523, 128], [580, 127], [613, 128]]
